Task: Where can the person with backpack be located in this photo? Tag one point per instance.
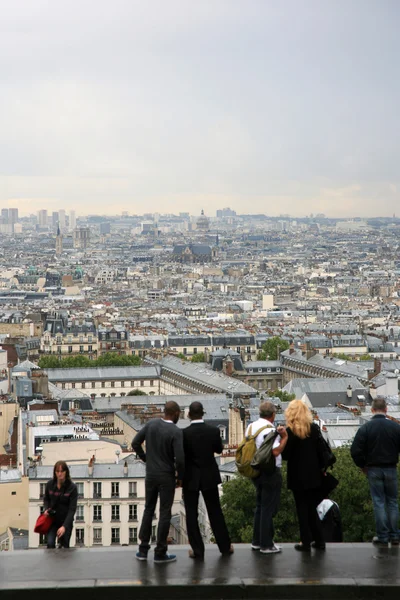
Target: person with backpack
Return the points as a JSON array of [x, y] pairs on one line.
[[268, 482]]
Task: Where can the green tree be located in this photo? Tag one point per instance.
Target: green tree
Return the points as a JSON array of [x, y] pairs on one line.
[[49, 362], [272, 347], [200, 357], [181, 356], [137, 393], [282, 395], [352, 495], [117, 360]]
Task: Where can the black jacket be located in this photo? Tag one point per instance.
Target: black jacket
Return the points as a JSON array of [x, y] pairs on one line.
[[200, 442], [63, 501], [304, 469], [164, 448], [377, 443]]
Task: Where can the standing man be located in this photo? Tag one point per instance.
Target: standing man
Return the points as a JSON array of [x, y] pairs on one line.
[[165, 464], [201, 442], [268, 485], [375, 449]]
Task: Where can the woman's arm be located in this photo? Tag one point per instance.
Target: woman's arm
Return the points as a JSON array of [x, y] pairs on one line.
[[73, 501]]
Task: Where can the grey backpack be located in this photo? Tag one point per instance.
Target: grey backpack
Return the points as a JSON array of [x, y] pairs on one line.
[[264, 460]]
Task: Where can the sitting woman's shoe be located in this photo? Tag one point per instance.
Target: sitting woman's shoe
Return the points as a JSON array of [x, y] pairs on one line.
[[302, 548]]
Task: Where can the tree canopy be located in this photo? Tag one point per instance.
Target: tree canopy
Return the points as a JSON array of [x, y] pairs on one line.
[[137, 393], [80, 360], [272, 347], [352, 495], [199, 357]]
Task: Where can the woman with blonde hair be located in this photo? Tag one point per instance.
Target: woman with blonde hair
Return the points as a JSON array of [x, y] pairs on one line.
[[304, 473]]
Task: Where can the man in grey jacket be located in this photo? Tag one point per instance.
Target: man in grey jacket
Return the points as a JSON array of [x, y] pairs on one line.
[[165, 464]]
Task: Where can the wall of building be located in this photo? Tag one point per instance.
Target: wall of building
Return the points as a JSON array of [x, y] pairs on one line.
[[7, 413], [88, 524], [14, 502], [24, 329]]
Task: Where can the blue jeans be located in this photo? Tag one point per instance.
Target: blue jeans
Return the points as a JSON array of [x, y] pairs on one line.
[[268, 495], [52, 537], [383, 487]]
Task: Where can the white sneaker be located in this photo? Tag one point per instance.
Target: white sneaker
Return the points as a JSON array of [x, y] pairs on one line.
[[255, 547], [272, 550]]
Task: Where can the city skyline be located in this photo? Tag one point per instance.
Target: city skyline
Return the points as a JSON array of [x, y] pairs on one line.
[[265, 108]]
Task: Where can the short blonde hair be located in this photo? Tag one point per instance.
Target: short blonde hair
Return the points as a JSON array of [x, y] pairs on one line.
[[299, 418]]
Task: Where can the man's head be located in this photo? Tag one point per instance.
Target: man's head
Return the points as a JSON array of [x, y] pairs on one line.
[[379, 406], [196, 411], [172, 411], [267, 411]]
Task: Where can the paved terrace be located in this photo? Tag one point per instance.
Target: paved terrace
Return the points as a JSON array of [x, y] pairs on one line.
[[344, 571]]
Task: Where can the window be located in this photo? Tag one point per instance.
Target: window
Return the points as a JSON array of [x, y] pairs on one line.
[[93, 384], [70, 349], [153, 533], [248, 349], [132, 383], [97, 512], [83, 385], [13, 493], [69, 339], [81, 349], [90, 339], [185, 351], [113, 384], [132, 489], [114, 512], [97, 537], [222, 431], [194, 350], [42, 490], [115, 489], [122, 383], [73, 385], [80, 489], [103, 384], [133, 535], [79, 537], [133, 512], [79, 515], [63, 386], [97, 489], [142, 383], [115, 535], [81, 339], [90, 348]]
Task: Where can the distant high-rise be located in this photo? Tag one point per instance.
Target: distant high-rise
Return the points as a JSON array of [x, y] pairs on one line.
[[105, 228], [13, 215], [59, 242], [42, 219], [54, 220], [4, 216], [61, 218], [72, 220], [225, 212]]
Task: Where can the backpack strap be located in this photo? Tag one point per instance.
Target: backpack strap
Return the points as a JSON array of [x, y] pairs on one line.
[[254, 435]]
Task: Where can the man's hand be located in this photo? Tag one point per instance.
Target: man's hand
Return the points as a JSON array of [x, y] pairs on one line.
[[60, 531], [282, 431]]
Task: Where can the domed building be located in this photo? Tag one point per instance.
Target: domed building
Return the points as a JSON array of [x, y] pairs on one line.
[[202, 223]]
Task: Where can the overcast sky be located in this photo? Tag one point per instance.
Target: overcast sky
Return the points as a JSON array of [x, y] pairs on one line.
[[288, 106]]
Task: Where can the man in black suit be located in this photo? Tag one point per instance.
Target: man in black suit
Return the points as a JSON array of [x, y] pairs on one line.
[[201, 442]]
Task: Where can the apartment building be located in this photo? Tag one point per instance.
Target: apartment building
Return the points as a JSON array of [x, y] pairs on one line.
[[111, 500]]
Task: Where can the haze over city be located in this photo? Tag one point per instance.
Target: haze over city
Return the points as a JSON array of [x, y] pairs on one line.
[[175, 106]]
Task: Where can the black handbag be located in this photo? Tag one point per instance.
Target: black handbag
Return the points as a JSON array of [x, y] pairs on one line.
[[329, 483], [326, 456]]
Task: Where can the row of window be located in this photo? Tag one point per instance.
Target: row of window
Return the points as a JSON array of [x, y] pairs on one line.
[[98, 489], [103, 384], [98, 536]]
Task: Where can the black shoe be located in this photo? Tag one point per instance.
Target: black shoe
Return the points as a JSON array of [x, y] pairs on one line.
[[302, 548], [320, 546], [394, 542], [379, 544]]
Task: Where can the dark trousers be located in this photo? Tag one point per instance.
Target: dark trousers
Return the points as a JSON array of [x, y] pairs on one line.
[[268, 489], [163, 487], [52, 537], [217, 521], [309, 522]]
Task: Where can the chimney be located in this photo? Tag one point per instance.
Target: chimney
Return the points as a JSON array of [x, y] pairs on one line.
[[91, 465], [349, 392], [125, 469], [228, 366]]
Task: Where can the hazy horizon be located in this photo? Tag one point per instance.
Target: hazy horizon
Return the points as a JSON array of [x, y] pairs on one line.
[[175, 106]]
